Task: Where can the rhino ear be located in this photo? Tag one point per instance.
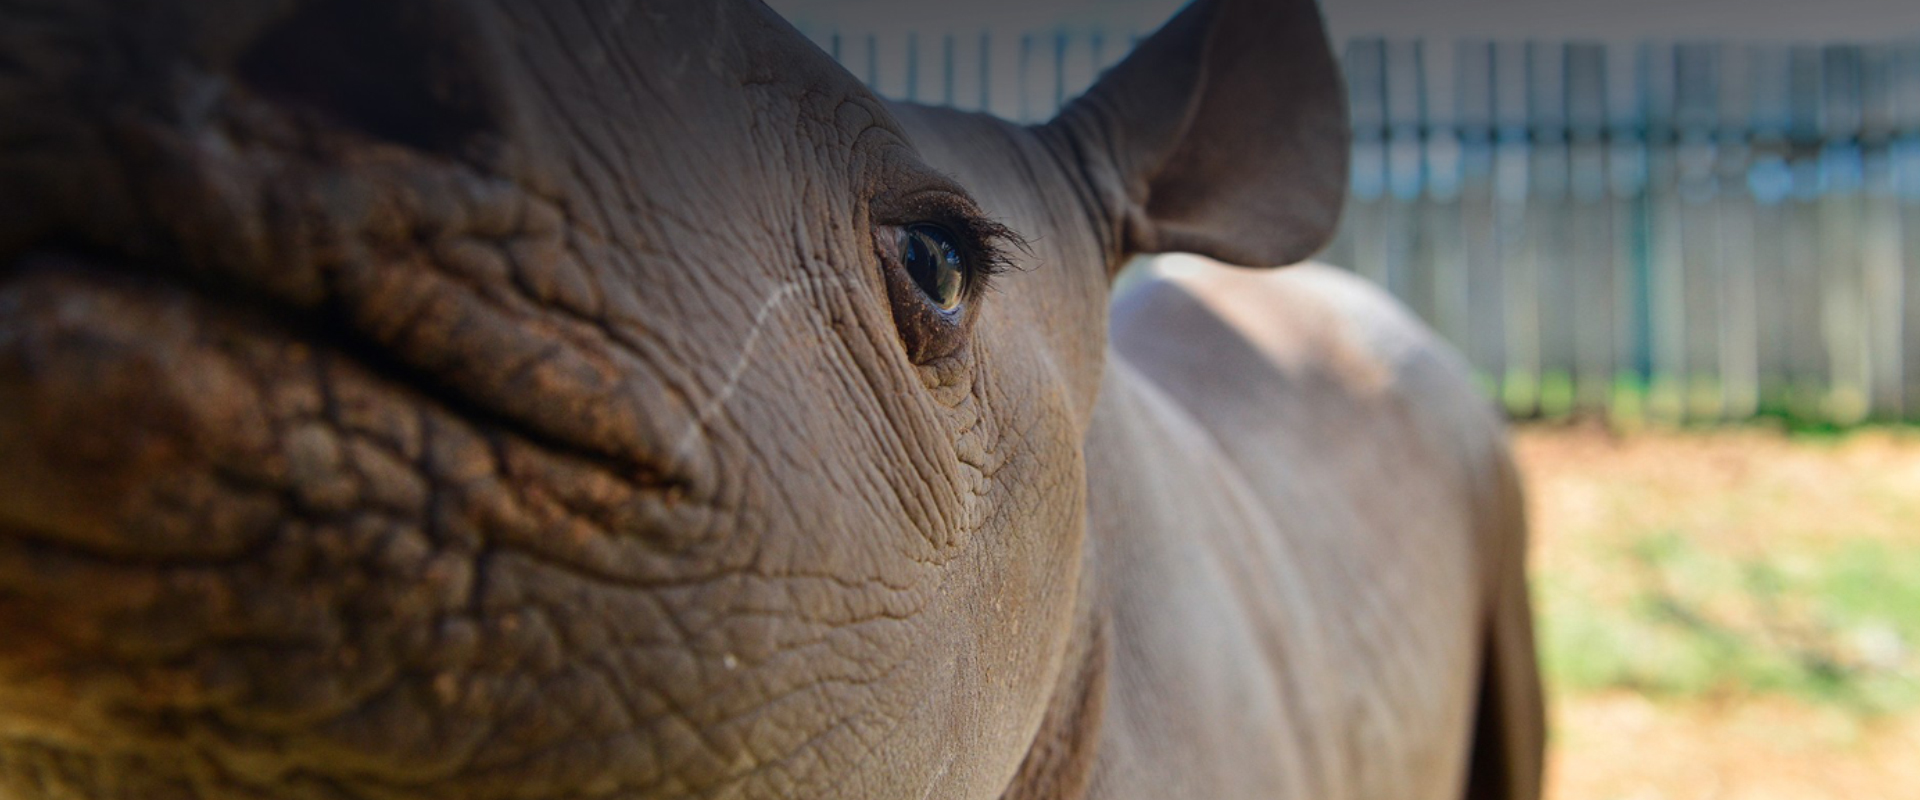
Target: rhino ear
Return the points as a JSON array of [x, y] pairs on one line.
[[1223, 134]]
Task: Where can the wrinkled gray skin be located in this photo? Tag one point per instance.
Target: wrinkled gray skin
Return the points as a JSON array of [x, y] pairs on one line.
[[521, 399]]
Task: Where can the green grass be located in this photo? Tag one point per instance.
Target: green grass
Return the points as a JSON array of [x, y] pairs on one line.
[[1838, 625], [1633, 402]]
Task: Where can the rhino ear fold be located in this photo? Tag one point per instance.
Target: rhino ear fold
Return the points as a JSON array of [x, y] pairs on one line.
[[1223, 134]]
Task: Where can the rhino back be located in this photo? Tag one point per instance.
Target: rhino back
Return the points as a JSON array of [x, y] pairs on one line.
[[1329, 516]]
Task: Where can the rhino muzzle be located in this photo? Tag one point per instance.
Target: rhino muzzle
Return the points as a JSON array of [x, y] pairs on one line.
[[241, 556], [308, 425]]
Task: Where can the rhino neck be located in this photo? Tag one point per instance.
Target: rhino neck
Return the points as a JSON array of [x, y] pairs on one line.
[[1059, 765]]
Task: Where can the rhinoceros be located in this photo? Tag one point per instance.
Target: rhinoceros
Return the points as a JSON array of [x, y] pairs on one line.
[[542, 399]]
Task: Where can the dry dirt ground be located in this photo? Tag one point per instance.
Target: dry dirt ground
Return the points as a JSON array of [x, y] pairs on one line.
[[1728, 614]]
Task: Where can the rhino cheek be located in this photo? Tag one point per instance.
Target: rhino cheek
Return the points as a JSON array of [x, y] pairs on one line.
[[929, 566]]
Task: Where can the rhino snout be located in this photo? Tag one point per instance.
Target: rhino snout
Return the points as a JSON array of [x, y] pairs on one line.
[[236, 559]]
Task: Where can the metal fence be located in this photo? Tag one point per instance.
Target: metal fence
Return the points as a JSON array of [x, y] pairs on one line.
[[1675, 232], [1022, 76]]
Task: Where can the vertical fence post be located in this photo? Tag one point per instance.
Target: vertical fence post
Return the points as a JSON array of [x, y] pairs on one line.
[[1804, 264], [1696, 118], [1366, 101], [1520, 386], [1881, 281], [1548, 226], [986, 71], [1768, 183], [1630, 231], [1059, 73], [1842, 308], [1078, 66], [1665, 262], [1479, 211], [946, 70], [1906, 169], [1400, 230], [913, 67], [1026, 78], [1589, 253], [1739, 336], [1446, 258]]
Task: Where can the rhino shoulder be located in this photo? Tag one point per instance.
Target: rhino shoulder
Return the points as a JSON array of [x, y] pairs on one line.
[[1310, 338]]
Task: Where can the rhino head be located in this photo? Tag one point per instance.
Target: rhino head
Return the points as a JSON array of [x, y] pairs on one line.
[[523, 399]]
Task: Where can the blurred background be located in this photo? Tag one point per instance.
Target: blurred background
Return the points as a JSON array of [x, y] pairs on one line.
[[1680, 243]]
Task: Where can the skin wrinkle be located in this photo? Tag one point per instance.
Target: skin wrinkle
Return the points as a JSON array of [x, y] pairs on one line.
[[848, 623], [601, 51], [590, 309], [946, 763], [1075, 168], [927, 518], [914, 502], [677, 714], [534, 361], [703, 288], [581, 179], [553, 88], [544, 754], [847, 774], [483, 296], [761, 317], [611, 572], [807, 748], [804, 748], [988, 477], [1093, 213], [856, 770], [1094, 144]]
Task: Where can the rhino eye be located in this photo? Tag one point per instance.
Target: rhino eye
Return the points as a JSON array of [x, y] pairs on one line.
[[933, 259]]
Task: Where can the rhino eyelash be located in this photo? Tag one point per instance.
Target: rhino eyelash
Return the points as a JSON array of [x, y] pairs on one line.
[[990, 249]]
